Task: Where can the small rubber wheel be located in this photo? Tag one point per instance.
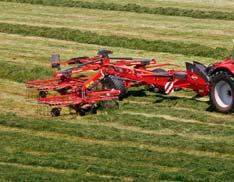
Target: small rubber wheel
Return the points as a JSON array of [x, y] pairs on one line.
[[115, 82], [82, 112], [222, 91], [43, 94], [93, 110], [55, 112]]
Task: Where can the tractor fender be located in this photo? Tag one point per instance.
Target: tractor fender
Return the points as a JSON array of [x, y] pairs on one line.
[[223, 68], [227, 66]]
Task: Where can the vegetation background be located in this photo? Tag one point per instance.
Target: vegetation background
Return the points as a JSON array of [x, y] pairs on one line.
[[151, 137]]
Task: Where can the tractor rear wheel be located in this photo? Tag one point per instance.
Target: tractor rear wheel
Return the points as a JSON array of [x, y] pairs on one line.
[[222, 91]]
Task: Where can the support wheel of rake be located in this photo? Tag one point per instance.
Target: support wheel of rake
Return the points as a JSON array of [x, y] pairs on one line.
[[82, 111], [114, 82], [79, 110], [93, 110], [111, 82], [55, 112], [222, 91], [43, 94]]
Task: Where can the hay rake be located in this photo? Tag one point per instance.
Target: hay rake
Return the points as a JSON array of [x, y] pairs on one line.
[[114, 75]]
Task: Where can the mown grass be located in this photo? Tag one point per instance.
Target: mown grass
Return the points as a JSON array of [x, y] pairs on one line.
[[150, 138], [35, 173], [36, 51], [106, 133], [21, 74], [224, 5], [169, 11], [211, 33], [42, 143], [108, 147], [115, 41], [26, 58]]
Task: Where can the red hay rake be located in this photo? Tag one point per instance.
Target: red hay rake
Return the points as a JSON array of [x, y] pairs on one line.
[[113, 76]]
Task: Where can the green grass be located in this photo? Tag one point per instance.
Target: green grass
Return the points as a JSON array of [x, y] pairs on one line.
[[25, 58], [112, 134], [149, 138], [36, 51], [21, 74], [224, 5], [169, 11], [211, 33], [115, 41], [105, 151]]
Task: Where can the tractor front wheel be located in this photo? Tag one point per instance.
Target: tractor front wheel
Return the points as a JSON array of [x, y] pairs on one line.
[[222, 92]]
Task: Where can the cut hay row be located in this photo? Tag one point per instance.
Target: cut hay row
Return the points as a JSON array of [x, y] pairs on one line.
[[21, 74], [169, 11], [13, 99], [129, 144], [204, 118], [29, 51], [149, 138], [211, 33], [220, 5], [26, 58], [116, 41], [146, 120], [113, 147], [126, 140], [108, 152], [43, 173], [109, 136]]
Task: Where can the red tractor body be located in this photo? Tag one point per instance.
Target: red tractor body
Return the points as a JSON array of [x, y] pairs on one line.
[[227, 65]]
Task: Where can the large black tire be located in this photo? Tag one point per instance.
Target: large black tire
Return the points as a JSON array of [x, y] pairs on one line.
[[114, 82], [222, 91]]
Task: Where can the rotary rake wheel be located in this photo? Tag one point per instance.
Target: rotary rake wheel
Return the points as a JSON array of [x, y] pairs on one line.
[[41, 88], [81, 102]]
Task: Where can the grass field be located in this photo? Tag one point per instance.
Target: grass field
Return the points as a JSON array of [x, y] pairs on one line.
[[149, 138], [216, 5], [213, 33]]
